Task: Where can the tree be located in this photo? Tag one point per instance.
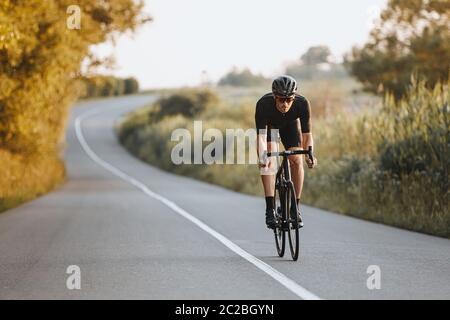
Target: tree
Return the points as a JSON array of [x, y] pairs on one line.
[[42, 47], [412, 36], [244, 78], [40, 59], [311, 65], [316, 55]]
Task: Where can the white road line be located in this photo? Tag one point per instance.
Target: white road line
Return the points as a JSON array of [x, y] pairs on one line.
[[275, 274]]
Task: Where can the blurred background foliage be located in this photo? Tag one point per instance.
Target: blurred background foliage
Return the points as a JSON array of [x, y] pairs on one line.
[[107, 86], [316, 64], [388, 163], [381, 122], [412, 36], [40, 63], [243, 78]]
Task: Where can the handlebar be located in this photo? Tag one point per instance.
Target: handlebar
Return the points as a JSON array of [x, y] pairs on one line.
[[287, 153]]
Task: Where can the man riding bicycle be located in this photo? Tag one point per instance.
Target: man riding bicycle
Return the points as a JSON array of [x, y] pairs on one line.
[[290, 114]]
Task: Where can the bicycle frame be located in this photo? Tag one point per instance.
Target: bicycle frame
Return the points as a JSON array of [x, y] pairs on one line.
[[286, 190], [284, 172]]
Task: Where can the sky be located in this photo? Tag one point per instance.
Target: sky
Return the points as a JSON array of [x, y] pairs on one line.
[[189, 41]]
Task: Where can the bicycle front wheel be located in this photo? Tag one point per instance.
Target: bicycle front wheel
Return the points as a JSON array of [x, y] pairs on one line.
[[291, 204], [279, 232]]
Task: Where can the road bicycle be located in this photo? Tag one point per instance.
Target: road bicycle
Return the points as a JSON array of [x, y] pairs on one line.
[[284, 200]]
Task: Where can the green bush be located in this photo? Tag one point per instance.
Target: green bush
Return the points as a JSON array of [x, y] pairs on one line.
[[413, 134], [131, 85], [187, 103], [400, 157]]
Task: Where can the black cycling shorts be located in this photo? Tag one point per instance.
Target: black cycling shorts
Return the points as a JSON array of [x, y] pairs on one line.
[[290, 135]]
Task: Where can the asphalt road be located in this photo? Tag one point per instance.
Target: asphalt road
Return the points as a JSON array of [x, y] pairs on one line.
[[136, 232]]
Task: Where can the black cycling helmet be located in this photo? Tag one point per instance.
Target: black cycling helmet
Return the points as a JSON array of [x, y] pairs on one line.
[[284, 86]]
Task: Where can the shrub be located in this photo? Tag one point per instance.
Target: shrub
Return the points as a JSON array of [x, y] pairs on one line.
[[106, 86], [131, 85], [244, 78], [188, 103]]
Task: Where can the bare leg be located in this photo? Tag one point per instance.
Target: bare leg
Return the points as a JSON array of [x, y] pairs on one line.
[[297, 172], [268, 180]]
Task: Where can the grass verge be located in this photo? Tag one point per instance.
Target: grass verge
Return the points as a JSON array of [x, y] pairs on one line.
[[388, 164]]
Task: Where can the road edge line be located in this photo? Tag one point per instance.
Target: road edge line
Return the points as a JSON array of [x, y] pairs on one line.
[[275, 274]]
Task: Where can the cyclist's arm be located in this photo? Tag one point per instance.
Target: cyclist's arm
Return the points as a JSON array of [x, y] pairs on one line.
[[307, 140], [305, 119], [261, 127], [307, 137]]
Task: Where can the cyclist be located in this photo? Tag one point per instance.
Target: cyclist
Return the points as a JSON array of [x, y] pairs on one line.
[[290, 114]]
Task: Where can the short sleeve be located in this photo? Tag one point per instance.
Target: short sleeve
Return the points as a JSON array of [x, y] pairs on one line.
[[305, 116], [260, 117]]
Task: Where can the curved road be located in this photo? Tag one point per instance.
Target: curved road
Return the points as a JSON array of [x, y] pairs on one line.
[[136, 232]]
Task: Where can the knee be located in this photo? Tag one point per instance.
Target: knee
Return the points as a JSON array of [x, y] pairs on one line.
[[295, 161]]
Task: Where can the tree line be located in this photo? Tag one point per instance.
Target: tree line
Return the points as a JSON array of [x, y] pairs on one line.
[[410, 38], [106, 86]]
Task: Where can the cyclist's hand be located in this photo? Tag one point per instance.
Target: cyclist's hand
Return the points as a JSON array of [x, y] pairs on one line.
[[266, 167], [311, 164], [262, 165], [263, 161]]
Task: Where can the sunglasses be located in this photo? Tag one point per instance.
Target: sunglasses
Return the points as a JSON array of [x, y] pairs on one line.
[[283, 100]]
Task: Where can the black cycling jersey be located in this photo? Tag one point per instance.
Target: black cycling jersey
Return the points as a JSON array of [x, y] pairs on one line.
[[290, 124]]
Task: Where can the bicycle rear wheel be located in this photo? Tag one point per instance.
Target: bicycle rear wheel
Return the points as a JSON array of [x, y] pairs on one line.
[[279, 232], [293, 222]]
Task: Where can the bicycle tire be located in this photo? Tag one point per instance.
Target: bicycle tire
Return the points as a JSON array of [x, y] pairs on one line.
[[293, 230], [279, 232]]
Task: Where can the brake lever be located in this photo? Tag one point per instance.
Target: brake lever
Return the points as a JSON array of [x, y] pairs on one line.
[[310, 154]]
